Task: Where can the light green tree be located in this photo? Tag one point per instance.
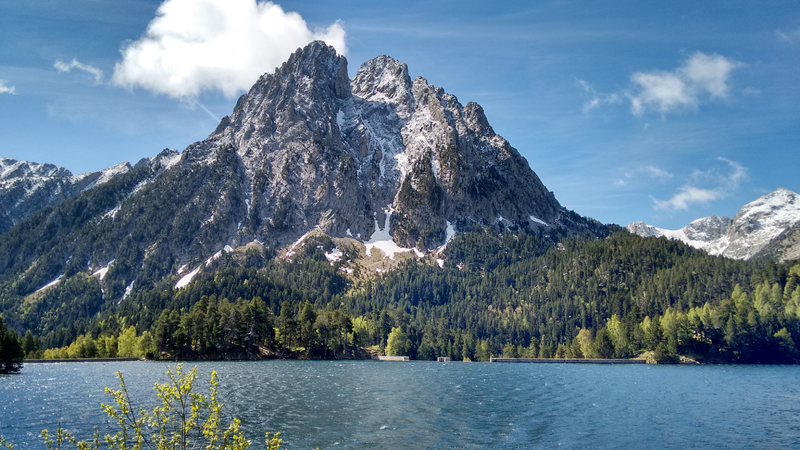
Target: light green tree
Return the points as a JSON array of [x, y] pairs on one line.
[[398, 343], [184, 420], [128, 344], [584, 339]]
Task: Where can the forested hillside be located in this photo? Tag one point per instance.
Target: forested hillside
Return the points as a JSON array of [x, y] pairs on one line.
[[510, 294]]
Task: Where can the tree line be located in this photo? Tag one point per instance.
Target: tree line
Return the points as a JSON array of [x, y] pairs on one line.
[[497, 294]]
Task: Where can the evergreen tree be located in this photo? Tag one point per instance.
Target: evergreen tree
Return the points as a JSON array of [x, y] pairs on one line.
[[11, 353], [603, 346], [30, 346]]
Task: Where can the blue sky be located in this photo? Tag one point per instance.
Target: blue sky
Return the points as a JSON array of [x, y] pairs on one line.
[[662, 112]]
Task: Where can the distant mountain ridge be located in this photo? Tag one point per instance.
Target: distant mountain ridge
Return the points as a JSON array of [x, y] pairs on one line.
[[766, 228], [26, 187]]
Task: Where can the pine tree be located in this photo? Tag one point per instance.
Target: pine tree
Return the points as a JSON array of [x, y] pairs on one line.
[[11, 353]]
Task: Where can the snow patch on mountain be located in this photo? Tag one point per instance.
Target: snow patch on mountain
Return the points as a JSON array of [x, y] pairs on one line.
[[383, 241], [297, 243], [128, 291], [52, 283], [335, 255], [186, 279], [539, 221], [101, 272]]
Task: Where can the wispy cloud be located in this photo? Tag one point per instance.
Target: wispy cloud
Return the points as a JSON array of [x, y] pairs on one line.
[[196, 45], [6, 89], [656, 173], [700, 77], [75, 64], [649, 172], [597, 99], [788, 36], [705, 187]]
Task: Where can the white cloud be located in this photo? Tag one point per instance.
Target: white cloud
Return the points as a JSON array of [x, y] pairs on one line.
[[6, 89], [705, 187], [197, 45], [75, 64], [619, 182], [701, 75], [687, 195]]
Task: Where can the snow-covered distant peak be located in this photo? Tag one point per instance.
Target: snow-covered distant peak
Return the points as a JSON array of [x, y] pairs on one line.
[[104, 176], [755, 225], [13, 169], [779, 205]]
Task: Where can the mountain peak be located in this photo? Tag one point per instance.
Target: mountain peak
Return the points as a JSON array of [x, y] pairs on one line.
[[383, 79], [313, 60]]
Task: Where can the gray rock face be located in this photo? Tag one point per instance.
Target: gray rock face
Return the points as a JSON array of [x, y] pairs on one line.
[[26, 187], [707, 229], [354, 156], [764, 227]]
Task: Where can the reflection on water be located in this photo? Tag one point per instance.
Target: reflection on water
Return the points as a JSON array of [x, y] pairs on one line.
[[370, 404]]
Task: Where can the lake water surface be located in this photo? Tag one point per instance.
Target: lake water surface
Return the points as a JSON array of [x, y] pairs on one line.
[[371, 404]]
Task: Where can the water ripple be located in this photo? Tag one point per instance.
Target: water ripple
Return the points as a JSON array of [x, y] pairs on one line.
[[369, 404]]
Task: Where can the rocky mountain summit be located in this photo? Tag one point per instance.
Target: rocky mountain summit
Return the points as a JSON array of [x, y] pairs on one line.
[[767, 227], [395, 164], [355, 157]]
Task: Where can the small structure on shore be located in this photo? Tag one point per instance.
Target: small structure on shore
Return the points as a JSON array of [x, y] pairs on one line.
[[443, 359], [391, 358]]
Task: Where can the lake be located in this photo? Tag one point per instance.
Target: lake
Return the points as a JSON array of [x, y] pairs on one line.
[[371, 404]]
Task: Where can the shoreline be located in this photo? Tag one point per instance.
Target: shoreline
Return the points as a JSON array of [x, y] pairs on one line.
[[44, 361], [567, 361]]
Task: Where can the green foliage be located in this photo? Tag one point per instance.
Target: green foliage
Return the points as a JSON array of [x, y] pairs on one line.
[[128, 344], [661, 355], [184, 419], [5, 444], [31, 347], [398, 343], [11, 352]]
